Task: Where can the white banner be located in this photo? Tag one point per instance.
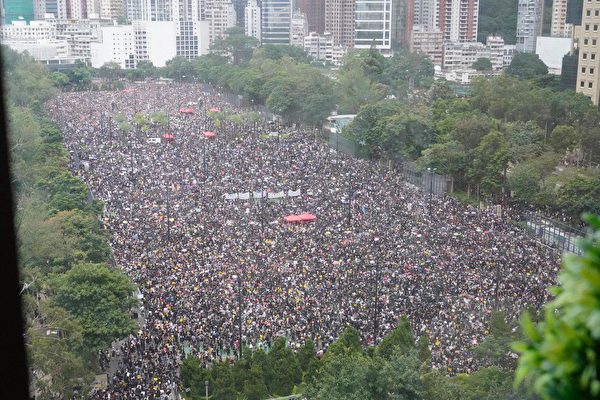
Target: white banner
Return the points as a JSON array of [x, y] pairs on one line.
[[244, 196], [292, 193]]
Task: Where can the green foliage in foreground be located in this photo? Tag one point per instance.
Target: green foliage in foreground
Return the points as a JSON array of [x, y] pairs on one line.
[[74, 304], [398, 368], [562, 353]]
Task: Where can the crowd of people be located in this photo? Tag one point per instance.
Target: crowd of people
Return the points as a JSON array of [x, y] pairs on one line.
[[379, 248]]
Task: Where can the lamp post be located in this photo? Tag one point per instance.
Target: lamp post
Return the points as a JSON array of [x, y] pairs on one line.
[[239, 285], [430, 173], [206, 389], [376, 311]]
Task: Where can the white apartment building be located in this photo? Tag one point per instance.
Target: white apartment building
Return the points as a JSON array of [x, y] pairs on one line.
[[429, 43], [461, 56], [373, 22], [318, 46], [220, 18], [322, 48], [35, 30], [529, 24], [117, 44], [154, 41], [509, 52], [42, 50], [252, 19], [458, 19], [79, 35], [129, 44], [298, 29], [425, 15], [559, 26]]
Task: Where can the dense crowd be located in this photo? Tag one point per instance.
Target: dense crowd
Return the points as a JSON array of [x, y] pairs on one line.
[[379, 249]]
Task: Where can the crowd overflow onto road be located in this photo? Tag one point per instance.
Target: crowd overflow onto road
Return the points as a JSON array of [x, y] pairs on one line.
[[378, 249]]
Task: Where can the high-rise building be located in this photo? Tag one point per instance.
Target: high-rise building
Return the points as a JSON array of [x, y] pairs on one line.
[[276, 19], [252, 19], [112, 9], [529, 24], [429, 43], [220, 18], [58, 8], [339, 21], [559, 27], [15, 10], [298, 29], [39, 9], [373, 21], [458, 19], [240, 7], [315, 14], [424, 14], [589, 53]]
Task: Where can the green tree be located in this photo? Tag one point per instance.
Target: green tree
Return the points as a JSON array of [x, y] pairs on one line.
[[399, 341], [285, 370], [236, 45], [564, 139], [526, 66], [561, 353], [100, 299], [482, 64]]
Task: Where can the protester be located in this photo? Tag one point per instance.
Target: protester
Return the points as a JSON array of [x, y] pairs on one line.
[[379, 249]]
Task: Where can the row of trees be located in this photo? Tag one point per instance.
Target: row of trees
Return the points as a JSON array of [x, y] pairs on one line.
[[75, 305], [511, 135], [398, 368]]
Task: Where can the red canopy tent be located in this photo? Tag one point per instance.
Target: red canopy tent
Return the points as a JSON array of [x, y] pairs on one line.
[[209, 134], [215, 109], [186, 110], [304, 217], [308, 217], [168, 136]]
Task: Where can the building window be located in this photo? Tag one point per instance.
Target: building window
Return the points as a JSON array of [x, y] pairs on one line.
[[588, 13], [585, 41], [593, 56], [593, 42], [582, 84], [595, 28], [590, 84], [583, 70], [591, 71], [596, 13], [587, 27], [585, 56]]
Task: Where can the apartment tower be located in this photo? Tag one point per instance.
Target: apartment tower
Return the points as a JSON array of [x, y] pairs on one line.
[[339, 20], [458, 20], [589, 52], [530, 18], [315, 14]]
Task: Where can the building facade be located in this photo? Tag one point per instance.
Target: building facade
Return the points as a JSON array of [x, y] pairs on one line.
[[220, 17], [559, 26], [429, 43], [298, 29], [276, 19], [458, 20], [373, 22], [529, 24], [589, 53], [252, 20], [339, 21], [315, 14]]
